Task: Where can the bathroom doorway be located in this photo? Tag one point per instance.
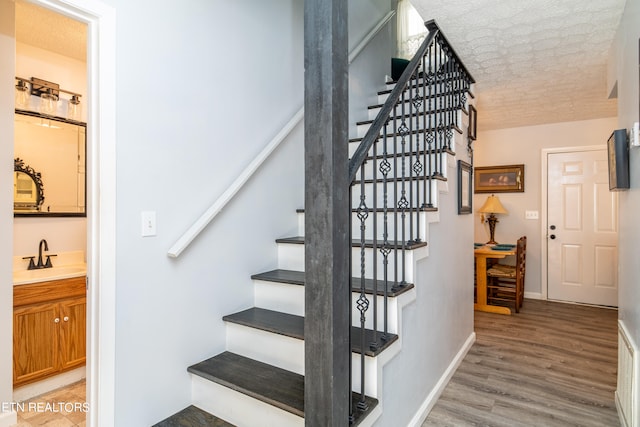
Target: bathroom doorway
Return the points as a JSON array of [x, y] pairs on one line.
[[100, 222], [50, 215]]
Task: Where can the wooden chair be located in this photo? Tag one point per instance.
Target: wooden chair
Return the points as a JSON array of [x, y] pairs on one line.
[[505, 283]]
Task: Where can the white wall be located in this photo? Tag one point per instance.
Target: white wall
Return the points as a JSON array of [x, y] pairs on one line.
[[626, 65], [201, 88], [524, 145], [7, 43], [440, 321]]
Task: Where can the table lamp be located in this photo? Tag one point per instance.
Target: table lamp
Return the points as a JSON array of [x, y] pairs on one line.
[[492, 206]]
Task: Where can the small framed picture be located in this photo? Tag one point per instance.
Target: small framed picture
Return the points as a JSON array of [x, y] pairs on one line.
[[464, 188], [499, 179], [473, 122]]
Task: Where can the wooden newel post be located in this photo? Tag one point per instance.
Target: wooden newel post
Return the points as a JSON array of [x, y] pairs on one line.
[[327, 348]]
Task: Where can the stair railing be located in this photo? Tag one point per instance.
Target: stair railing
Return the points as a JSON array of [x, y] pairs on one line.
[[395, 171]]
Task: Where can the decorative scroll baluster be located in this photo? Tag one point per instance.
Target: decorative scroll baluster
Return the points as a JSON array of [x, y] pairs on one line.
[[374, 344], [363, 302], [385, 250]]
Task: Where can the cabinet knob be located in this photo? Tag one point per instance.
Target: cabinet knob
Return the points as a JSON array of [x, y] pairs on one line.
[[56, 320], [66, 318]]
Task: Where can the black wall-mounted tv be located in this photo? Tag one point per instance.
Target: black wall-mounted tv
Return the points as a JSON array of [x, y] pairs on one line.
[[618, 153]]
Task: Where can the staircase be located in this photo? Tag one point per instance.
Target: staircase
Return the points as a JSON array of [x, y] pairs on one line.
[[404, 152]]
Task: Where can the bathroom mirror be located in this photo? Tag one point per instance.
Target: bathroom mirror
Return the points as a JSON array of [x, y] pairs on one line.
[[51, 177]]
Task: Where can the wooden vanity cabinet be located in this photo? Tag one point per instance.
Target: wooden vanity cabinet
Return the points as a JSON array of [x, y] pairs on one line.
[[49, 328]]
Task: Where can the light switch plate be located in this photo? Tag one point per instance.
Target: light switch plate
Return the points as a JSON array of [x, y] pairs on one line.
[[148, 223], [635, 135], [531, 215]]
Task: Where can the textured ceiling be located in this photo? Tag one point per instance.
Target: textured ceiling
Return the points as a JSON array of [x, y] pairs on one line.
[[37, 26], [534, 61]]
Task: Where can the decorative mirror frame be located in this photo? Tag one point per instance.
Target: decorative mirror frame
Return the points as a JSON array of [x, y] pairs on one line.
[[20, 166]]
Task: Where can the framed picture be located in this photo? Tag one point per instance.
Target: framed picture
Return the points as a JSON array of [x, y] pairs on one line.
[[464, 188], [473, 122], [499, 179]]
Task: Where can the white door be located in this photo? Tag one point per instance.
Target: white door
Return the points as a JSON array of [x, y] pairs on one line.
[[582, 235]]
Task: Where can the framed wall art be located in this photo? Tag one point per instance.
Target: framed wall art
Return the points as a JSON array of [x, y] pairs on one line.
[[499, 179], [473, 122], [465, 193]]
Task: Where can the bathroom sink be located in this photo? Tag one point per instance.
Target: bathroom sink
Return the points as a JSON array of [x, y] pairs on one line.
[[22, 277]]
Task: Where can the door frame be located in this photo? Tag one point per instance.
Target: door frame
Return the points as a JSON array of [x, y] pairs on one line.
[[544, 276], [101, 200]]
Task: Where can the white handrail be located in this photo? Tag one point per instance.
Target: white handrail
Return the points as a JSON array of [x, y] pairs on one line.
[[219, 204], [193, 231], [370, 35]]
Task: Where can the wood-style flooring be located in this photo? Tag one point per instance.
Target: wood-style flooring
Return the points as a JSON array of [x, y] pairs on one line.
[[552, 364]]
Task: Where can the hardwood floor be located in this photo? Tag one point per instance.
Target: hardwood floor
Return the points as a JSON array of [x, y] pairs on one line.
[[552, 364]]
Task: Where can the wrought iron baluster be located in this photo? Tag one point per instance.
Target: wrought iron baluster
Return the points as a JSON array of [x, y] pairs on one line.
[[374, 345], [362, 302], [385, 250], [350, 298]]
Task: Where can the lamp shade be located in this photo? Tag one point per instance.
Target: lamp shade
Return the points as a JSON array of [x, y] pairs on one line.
[[493, 205]]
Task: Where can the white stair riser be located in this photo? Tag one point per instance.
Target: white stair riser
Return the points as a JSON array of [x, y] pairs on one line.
[[427, 166], [416, 122], [291, 257], [238, 408], [288, 353], [290, 299], [282, 297], [414, 193], [382, 97], [274, 349], [432, 160], [380, 226], [410, 108]]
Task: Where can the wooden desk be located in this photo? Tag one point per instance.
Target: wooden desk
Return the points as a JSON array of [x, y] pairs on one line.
[[481, 255]]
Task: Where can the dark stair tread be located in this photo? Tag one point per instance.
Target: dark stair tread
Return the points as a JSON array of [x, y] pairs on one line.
[[299, 240], [292, 277], [293, 326], [275, 386], [192, 416]]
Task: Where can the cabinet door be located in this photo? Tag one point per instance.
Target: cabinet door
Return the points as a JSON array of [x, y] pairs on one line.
[[35, 342], [73, 348]]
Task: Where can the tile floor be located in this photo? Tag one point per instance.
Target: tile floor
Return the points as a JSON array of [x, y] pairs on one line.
[[64, 407]]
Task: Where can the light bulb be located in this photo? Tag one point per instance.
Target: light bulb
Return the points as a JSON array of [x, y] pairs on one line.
[[48, 103], [74, 109], [22, 95]]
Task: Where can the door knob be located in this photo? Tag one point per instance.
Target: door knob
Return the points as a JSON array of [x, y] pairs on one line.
[[66, 318], [56, 320], [552, 237], [553, 227]]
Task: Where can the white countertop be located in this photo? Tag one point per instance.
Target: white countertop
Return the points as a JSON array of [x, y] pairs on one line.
[[65, 265]]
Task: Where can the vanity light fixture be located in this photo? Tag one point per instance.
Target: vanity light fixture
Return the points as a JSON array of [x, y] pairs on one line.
[[49, 94]]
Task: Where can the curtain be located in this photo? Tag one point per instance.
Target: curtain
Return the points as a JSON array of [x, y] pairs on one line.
[[411, 29]]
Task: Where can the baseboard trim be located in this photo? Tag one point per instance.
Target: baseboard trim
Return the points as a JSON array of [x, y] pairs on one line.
[[533, 295], [432, 398], [8, 419]]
